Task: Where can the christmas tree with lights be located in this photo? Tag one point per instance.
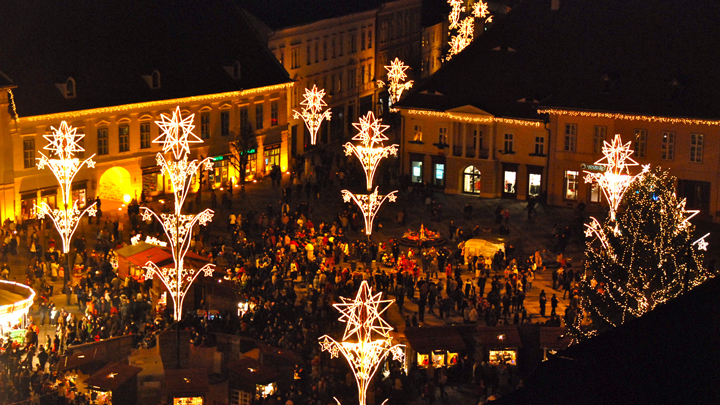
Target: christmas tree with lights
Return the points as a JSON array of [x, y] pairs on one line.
[[642, 258]]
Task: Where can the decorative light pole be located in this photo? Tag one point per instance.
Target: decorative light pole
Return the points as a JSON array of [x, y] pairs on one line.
[[465, 28], [396, 80], [176, 136], [369, 153], [63, 144], [363, 318], [616, 178], [312, 113]]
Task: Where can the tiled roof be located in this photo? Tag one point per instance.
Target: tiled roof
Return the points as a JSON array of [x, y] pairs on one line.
[[108, 46], [606, 55]]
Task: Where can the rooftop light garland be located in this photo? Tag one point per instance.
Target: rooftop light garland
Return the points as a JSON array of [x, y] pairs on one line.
[[63, 144], [370, 152], [312, 113], [372, 334], [176, 137]]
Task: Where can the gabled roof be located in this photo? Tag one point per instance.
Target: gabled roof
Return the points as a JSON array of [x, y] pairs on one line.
[[278, 14], [601, 55], [107, 48], [668, 356]]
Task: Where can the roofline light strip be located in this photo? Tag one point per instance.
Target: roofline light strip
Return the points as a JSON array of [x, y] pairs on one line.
[[477, 120], [629, 117]]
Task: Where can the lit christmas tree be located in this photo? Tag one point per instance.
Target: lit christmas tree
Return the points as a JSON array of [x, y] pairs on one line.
[[644, 257]]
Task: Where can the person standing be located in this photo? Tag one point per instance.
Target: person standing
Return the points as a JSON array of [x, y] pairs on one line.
[[543, 303], [553, 305]]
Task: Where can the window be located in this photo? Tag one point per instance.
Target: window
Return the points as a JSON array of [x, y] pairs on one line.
[[696, 148], [508, 143], [442, 136], [571, 184], [244, 116], [273, 113], [317, 50], [81, 144], [144, 135], [370, 39], [570, 137], [668, 146], [236, 66], [307, 56], [102, 139], [457, 148], [156, 80], [295, 58], [124, 138], [70, 88], [595, 192], [416, 171], [353, 42], [325, 49], [341, 45], [540, 145], [205, 125], [362, 41], [534, 182], [599, 138], [418, 133], [471, 180], [272, 157], [471, 141], [238, 397], [334, 50], [339, 82], [258, 116], [510, 179], [352, 78], [640, 142], [29, 153], [225, 123], [439, 177]]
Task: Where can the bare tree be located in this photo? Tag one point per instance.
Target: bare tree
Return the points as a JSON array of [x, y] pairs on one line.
[[243, 142]]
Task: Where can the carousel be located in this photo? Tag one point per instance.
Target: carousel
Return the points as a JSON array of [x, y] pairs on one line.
[[424, 237], [15, 302]]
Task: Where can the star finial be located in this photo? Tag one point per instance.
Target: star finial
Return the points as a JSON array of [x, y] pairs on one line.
[[63, 141], [177, 135], [367, 125]]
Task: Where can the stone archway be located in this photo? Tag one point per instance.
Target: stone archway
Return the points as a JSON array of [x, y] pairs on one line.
[[114, 184]]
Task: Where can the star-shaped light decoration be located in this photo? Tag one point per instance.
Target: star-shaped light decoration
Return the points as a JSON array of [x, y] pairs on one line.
[[396, 80], [176, 133], [63, 143], [480, 10], [363, 316], [702, 243], [176, 136], [369, 204], [616, 178], [312, 113], [371, 150], [463, 38], [454, 16]]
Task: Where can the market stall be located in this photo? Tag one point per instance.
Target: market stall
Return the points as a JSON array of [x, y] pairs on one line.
[[441, 345], [114, 383], [553, 339], [500, 344], [249, 379], [186, 386]]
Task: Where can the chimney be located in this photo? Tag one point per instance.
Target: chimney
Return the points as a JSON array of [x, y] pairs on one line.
[[554, 5]]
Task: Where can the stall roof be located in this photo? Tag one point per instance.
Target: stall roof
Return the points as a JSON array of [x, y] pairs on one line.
[[154, 254], [425, 340], [499, 337], [112, 376], [85, 362], [554, 338], [249, 369], [186, 381], [131, 250]]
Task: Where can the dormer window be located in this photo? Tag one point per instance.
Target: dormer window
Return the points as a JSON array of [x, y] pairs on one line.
[[70, 88], [153, 80], [234, 70]]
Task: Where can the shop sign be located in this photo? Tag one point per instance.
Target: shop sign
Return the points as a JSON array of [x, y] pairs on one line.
[[593, 168]]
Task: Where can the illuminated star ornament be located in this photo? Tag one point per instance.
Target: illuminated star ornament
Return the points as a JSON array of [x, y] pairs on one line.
[[465, 28], [481, 10], [454, 16], [371, 335], [616, 178], [371, 149], [702, 243], [369, 205], [312, 113], [396, 80], [62, 145], [176, 136]]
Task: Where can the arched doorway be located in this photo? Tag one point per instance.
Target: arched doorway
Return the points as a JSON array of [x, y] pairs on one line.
[[471, 180], [114, 184]]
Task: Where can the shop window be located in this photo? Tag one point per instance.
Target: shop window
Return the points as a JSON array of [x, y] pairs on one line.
[[571, 184], [595, 192], [220, 171], [205, 125], [509, 181], [29, 153], [188, 401], [27, 207], [640, 144], [251, 168], [471, 180], [570, 137], [502, 357], [696, 148], [416, 167], [599, 138], [439, 178], [423, 360], [668, 146], [238, 397], [534, 182], [438, 359], [272, 157]]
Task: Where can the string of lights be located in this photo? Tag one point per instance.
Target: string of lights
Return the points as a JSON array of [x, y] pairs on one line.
[[371, 333], [475, 120], [629, 117]]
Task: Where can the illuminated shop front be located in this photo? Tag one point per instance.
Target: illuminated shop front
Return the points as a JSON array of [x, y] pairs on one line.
[[114, 383], [500, 344], [442, 345]]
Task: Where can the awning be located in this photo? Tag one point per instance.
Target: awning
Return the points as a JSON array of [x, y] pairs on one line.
[[112, 376], [499, 337], [425, 340], [554, 338]]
